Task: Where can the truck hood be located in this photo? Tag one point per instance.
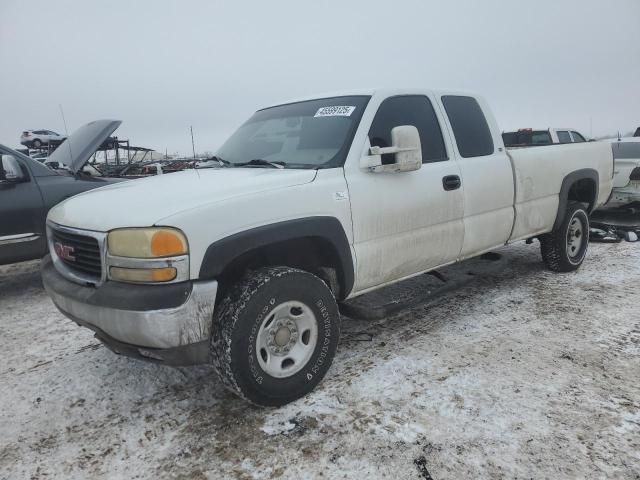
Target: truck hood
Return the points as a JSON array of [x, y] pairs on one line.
[[76, 150], [145, 202]]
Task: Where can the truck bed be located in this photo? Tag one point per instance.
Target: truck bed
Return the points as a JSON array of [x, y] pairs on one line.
[[538, 175]]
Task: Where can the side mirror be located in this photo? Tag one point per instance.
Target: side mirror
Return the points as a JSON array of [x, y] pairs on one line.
[[11, 170], [405, 147]]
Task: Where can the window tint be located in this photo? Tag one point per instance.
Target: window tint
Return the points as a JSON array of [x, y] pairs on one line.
[[564, 137], [413, 110], [577, 137], [541, 138], [11, 168], [623, 150], [469, 124]]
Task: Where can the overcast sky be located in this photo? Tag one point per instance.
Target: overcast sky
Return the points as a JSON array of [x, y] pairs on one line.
[[164, 65]]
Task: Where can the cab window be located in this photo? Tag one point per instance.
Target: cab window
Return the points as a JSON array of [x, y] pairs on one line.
[[469, 125], [564, 137], [415, 110], [10, 168], [577, 138]]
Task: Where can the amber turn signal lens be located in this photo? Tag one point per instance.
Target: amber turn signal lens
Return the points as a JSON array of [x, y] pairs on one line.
[[143, 275], [165, 243]]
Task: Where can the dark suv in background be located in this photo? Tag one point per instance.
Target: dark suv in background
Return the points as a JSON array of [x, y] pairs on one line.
[[28, 189]]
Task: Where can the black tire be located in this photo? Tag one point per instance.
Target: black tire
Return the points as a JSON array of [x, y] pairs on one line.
[[37, 143], [559, 249], [245, 311]]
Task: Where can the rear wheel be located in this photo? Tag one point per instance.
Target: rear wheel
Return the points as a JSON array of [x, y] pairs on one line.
[[37, 143], [564, 249], [275, 335]]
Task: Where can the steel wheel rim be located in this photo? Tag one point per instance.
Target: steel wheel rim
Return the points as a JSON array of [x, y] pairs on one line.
[[286, 339], [575, 238]]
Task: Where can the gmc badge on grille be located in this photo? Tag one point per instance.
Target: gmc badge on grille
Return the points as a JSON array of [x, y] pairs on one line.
[[65, 252]]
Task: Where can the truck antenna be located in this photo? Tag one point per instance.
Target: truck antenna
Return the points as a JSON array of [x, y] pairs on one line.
[[66, 131], [193, 145]]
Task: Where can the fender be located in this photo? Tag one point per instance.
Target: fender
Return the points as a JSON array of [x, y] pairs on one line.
[[567, 182], [222, 252]]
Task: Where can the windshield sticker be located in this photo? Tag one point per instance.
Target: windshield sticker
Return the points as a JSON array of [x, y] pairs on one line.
[[337, 111]]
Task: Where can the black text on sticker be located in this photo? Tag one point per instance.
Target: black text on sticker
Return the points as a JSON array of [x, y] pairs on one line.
[[337, 111]]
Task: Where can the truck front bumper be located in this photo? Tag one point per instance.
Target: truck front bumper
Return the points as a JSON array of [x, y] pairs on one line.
[[164, 323]]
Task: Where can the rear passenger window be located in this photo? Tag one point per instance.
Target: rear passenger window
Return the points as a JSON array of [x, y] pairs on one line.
[[413, 110], [564, 137], [541, 138], [577, 138], [469, 124]]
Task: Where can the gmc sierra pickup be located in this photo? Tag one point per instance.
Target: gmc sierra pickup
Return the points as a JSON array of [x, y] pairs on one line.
[[314, 202]]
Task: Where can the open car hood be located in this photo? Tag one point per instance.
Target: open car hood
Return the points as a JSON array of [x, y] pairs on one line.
[[76, 150]]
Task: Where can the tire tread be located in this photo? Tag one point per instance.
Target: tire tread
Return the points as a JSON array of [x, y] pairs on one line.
[[228, 314], [552, 244]]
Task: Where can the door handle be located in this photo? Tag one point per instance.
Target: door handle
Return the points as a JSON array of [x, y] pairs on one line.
[[451, 182]]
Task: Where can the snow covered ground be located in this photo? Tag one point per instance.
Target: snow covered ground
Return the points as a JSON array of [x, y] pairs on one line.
[[520, 373]]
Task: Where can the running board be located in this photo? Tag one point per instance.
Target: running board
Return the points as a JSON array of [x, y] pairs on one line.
[[357, 311]]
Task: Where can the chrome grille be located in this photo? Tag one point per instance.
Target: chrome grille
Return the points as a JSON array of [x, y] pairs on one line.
[[83, 253]]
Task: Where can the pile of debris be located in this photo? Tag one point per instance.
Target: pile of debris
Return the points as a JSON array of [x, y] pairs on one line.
[[613, 226]]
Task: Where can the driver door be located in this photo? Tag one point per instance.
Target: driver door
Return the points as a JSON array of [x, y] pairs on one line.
[[21, 208], [405, 223]]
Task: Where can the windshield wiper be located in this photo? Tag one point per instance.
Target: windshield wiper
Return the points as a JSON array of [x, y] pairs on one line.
[[262, 162]]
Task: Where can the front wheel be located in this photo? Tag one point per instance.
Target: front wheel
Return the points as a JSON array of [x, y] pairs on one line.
[[275, 335], [564, 249]]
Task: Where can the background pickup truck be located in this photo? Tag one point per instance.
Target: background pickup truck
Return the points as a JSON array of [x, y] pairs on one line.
[[626, 178], [527, 137], [315, 201]]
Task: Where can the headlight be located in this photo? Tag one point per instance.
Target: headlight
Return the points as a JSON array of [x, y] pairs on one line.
[[147, 255], [147, 243]]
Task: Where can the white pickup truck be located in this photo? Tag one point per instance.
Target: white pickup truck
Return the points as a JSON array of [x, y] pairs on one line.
[[315, 202]]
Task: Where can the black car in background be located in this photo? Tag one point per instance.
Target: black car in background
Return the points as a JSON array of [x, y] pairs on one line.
[[28, 189]]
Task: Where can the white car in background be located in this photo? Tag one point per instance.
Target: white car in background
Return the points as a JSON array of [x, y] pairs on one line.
[[38, 138], [626, 174]]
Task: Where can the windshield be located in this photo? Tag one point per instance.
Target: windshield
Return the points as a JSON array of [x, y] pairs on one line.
[[311, 134]]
